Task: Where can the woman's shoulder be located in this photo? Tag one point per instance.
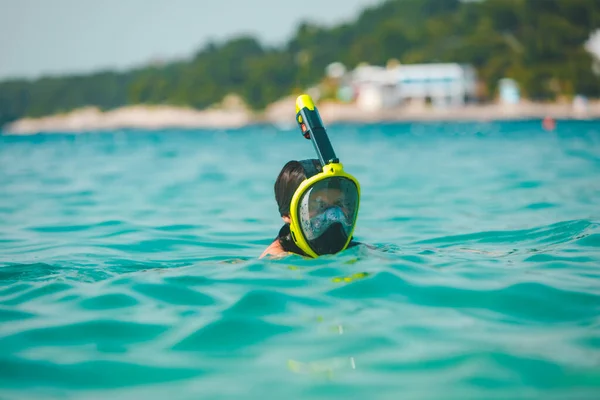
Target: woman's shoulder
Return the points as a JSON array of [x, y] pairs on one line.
[[275, 249]]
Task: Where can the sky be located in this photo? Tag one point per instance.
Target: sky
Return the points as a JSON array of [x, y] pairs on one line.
[[54, 37]]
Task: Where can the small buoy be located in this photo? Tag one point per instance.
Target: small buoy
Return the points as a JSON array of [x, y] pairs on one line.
[[549, 124]]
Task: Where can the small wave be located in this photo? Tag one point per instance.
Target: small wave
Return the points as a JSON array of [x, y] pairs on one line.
[[555, 234], [15, 272], [102, 333], [173, 294], [108, 302], [96, 374], [230, 334]]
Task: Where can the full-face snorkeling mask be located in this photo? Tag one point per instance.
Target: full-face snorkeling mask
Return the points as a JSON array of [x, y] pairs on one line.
[[324, 208]]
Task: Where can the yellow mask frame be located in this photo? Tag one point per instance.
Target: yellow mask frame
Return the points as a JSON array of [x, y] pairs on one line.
[[329, 171]]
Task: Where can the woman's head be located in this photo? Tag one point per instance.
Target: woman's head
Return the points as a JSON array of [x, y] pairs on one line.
[[291, 176], [326, 210]]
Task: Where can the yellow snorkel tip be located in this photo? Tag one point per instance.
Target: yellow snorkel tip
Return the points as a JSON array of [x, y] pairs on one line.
[[304, 101]]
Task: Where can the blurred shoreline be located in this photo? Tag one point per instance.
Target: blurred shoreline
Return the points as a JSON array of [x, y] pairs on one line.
[[282, 114]]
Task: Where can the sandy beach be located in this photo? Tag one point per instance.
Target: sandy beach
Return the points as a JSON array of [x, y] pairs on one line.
[[143, 117], [282, 113]]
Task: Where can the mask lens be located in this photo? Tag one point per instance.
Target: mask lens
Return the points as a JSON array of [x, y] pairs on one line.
[[328, 213]]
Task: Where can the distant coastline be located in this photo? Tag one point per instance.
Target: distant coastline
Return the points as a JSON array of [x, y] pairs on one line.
[[282, 113], [440, 52]]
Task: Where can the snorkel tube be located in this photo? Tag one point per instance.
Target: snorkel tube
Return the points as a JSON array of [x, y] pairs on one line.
[[312, 128]]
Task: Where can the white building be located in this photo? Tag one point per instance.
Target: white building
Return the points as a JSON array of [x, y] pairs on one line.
[[445, 85], [375, 87], [508, 90]]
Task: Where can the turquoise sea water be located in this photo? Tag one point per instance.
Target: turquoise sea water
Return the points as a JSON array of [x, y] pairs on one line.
[[128, 266]]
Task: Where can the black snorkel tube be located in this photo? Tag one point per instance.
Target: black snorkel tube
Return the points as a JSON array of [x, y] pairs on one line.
[[311, 125]]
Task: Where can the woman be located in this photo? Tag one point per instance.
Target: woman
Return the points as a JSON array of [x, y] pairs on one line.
[[330, 203]]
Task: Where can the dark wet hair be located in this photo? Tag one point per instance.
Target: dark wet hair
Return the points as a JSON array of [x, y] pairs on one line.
[[289, 179], [291, 176]]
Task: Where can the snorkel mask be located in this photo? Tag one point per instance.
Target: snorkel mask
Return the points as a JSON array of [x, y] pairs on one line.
[[324, 208]]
